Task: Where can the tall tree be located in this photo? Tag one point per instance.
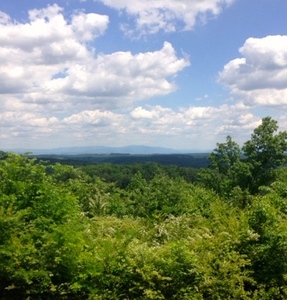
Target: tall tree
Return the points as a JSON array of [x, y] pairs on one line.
[[226, 170], [265, 152], [225, 156]]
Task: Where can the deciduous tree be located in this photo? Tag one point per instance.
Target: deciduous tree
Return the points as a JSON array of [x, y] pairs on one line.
[[265, 152]]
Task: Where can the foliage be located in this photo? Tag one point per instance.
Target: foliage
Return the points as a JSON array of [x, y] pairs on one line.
[[122, 175], [40, 232], [248, 168], [225, 156], [66, 233], [265, 152]]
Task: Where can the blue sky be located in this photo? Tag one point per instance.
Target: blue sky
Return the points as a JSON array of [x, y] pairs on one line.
[[182, 74]]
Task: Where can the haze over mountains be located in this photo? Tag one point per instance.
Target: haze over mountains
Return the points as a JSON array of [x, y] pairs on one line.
[[133, 149]]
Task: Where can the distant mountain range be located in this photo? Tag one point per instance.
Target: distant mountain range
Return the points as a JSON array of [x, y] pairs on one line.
[[134, 149]]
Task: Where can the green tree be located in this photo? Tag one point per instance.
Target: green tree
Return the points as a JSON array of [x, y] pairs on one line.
[[41, 235], [265, 152], [226, 170], [225, 156]]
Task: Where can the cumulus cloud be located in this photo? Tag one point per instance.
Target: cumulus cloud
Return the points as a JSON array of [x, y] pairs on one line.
[[18, 126], [89, 26], [93, 118], [122, 75], [204, 123], [49, 62], [152, 16], [260, 76], [30, 53], [54, 84], [154, 125], [56, 89], [47, 26]]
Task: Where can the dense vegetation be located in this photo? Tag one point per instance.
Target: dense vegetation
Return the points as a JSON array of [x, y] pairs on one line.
[[193, 160], [65, 233]]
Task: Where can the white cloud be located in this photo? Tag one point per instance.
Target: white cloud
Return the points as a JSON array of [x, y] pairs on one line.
[[122, 76], [154, 125], [57, 90], [18, 126], [54, 85], [31, 53], [89, 26], [193, 124], [152, 16], [45, 26], [93, 118], [4, 18], [47, 64], [142, 113], [260, 76]]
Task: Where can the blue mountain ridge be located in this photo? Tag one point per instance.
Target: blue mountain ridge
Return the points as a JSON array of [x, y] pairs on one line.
[[133, 149]]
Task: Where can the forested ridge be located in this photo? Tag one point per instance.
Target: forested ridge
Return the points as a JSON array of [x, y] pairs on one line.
[[193, 160], [148, 231]]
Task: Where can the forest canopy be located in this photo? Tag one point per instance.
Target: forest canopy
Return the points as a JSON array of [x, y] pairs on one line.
[[218, 233]]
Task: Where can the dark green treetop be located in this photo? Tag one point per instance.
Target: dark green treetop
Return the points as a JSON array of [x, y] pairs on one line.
[[265, 151], [250, 167], [225, 155]]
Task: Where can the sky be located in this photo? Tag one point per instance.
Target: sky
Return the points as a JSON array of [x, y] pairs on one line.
[[182, 74]]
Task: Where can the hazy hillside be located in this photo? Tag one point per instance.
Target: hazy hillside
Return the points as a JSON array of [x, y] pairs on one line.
[[132, 149]]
